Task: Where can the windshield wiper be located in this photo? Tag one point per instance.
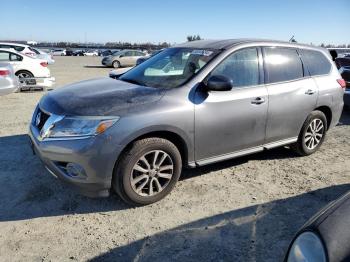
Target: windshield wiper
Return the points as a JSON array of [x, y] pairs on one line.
[[132, 81]]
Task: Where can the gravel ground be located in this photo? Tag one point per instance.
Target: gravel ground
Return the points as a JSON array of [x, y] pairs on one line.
[[245, 209]]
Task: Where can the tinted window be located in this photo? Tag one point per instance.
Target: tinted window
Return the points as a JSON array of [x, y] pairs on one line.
[[282, 64], [18, 48], [241, 66], [170, 68], [316, 62], [14, 57], [136, 53]]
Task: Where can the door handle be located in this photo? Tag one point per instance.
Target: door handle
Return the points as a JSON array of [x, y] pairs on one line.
[[258, 101], [310, 92]]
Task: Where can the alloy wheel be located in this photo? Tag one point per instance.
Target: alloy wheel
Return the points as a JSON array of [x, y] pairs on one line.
[[152, 173], [314, 134]]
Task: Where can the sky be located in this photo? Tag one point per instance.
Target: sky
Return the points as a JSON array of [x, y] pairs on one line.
[[310, 21]]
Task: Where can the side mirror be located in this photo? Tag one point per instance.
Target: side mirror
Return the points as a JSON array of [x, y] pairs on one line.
[[121, 56], [219, 83]]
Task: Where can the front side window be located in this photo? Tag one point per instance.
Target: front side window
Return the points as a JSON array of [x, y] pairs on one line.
[[316, 62], [282, 64], [170, 68], [242, 67]]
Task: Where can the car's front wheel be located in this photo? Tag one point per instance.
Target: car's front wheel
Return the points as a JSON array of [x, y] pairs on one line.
[[312, 134], [147, 171]]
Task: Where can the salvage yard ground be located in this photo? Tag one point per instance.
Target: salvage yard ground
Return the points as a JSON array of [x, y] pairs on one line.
[[245, 209]]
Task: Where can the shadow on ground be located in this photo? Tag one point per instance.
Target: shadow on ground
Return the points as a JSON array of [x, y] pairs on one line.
[[255, 233]]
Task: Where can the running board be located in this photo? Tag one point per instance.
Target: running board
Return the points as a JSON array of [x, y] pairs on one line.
[[244, 152]]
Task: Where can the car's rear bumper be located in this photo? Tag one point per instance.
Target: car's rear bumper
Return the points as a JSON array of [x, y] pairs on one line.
[[91, 155]]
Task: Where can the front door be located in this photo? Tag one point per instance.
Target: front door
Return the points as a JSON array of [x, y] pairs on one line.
[[227, 122]]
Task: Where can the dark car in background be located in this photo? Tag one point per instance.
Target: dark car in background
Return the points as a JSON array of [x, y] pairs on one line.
[[343, 65], [69, 52], [325, 237], [79, 53], [345, 73], [106, 52]]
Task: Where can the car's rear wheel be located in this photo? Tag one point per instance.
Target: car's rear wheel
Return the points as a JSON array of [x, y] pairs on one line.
[[312, 134], [147, 171], [25, 74], [116, 64]]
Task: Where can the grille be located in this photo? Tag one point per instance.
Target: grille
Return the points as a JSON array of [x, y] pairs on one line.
[[41, 119]]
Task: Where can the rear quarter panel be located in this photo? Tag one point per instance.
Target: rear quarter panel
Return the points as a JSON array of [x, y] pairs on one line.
[[330, 94]]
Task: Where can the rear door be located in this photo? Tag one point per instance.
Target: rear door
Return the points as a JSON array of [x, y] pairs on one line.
[[292, 93]]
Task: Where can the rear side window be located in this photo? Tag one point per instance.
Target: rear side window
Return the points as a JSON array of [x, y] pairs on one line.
[[316, 62], [282, 64], [242, 67]]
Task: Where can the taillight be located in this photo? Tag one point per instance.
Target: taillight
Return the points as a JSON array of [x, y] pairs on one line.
[[44, 64], [341, 82], [4, 72]]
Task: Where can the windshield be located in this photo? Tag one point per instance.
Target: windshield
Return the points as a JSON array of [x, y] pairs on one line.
[[170, 68]]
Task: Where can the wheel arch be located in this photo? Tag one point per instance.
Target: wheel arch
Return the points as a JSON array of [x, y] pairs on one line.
[[328, 113], [23, 70], [178, 139]]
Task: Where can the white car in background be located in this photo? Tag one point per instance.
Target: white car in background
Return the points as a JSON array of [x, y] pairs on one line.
[[43, 55], [8, 80], [58, 52], [23, 49], [28, 67], [91, 53]]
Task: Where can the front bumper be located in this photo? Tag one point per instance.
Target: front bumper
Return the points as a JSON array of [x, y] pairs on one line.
[[106, 62], [93, 155]]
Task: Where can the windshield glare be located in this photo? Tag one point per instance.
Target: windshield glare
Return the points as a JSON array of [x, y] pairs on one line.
[[170, 68]]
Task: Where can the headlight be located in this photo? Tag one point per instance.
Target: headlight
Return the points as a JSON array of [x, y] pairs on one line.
[[307, 247], [78, 126]]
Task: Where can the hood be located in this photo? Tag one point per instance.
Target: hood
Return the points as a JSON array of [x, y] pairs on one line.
[[99, 97]]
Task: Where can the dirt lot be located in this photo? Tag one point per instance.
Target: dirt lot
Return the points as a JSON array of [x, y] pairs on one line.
[[241, 210]]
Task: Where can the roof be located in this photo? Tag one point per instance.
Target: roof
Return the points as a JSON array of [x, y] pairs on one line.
[[228, 43], [6, 43]]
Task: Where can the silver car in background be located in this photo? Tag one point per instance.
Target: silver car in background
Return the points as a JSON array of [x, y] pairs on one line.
[[8, 80], [124, 58]]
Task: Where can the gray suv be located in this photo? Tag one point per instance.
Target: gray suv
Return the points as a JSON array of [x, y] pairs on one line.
[[191, 105]]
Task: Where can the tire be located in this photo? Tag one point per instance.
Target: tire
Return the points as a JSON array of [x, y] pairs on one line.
[[304, 146], [116, 64], [24, 74], [127, 181]]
